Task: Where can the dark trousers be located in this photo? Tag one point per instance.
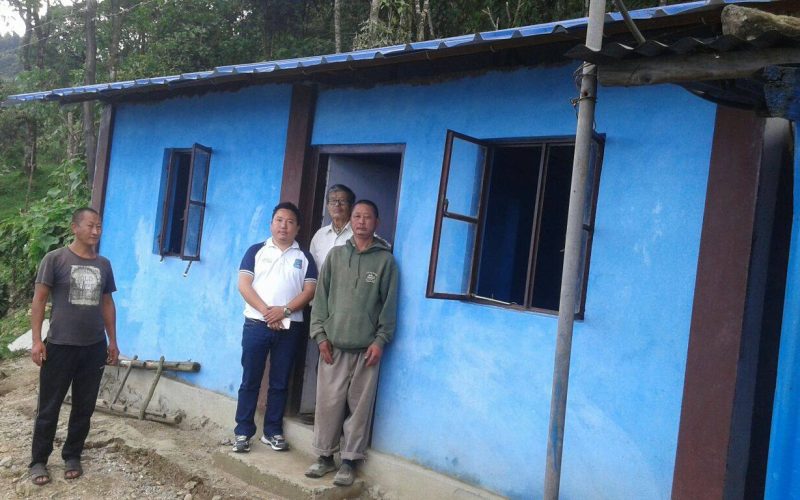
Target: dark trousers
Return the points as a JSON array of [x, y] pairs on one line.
[[82, 367], [258, 342]]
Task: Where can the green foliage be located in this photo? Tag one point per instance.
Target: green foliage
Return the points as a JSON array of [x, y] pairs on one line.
[[9, 62], [44, 226]]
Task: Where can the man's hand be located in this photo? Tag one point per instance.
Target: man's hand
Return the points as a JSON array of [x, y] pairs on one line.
[[374, 353], [38, 352], [273, 315], [113, 354], [326, 351]]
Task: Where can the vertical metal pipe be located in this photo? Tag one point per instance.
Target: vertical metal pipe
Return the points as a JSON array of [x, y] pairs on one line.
[[572, 252]]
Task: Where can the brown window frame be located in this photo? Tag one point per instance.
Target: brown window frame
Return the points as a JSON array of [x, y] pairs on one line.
[[443, 212], [199, 201]]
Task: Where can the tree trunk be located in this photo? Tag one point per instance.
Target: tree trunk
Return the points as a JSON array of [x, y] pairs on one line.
[[31, 141], [337, 25], [27, 38], [113, 49], [374, 12], [90, 139], [42, 31], [748, 23], [74, 132], [427, 11]]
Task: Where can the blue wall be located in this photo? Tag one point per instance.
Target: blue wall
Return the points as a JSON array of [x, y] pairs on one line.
[[199, 316], [783, 470], [465, 388]]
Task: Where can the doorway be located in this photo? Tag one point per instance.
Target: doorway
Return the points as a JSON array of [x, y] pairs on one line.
[[372, 172]]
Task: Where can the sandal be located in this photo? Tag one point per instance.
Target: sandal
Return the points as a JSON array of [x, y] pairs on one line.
[[39, 474], [72, 468]]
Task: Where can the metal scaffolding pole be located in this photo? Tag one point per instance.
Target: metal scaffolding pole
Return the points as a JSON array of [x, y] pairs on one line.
[[572, 253]]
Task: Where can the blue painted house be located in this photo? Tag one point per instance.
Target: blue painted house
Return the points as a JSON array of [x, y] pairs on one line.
[[466, 144]]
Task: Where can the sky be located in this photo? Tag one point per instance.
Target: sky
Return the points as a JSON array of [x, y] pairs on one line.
[[10, 21]]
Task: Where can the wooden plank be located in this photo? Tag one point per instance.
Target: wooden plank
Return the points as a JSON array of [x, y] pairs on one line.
[[706, 435], [123, 410], [694, 67], [177, 366], [298, 138], [103, 159]]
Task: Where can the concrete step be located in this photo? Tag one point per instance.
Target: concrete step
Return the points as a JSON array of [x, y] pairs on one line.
[[282, 473]]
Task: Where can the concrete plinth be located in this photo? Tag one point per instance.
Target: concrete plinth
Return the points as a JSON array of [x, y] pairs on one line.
[[381, 475], [282, 473]]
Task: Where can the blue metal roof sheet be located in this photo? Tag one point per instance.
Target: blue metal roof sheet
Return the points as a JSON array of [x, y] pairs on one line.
[[224, 72]]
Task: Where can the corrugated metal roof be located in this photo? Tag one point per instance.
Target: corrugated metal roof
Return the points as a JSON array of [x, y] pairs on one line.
[[615, 51], [330, 62]]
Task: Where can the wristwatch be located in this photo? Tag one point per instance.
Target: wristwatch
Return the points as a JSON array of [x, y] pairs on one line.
[[287, 312]]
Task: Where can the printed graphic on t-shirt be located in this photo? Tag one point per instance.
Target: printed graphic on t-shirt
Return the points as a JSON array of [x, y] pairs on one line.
[[84, 286], [372, 277]]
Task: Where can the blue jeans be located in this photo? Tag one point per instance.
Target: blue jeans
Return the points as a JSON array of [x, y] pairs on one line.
[[258, 342]]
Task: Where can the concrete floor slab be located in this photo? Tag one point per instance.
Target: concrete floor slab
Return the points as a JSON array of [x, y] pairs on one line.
[[389, 477], [282, 473]]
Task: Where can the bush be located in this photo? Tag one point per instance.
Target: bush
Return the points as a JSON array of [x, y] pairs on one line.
[[44, 226]]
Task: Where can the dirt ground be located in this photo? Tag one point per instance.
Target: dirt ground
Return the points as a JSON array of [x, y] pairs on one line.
[[124, 457]]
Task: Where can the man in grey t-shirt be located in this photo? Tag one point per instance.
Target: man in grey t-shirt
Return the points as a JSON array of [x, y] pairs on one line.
[[80, 283]]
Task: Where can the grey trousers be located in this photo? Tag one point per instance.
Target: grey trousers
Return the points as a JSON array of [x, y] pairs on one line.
[[347, 384]]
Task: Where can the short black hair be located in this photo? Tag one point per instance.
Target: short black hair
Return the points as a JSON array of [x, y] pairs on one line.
[[341, 188], [77, 215], [370, 203], [287, 205]]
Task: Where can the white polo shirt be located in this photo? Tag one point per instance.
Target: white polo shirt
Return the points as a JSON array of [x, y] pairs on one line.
[[278, 275], [325, 239]]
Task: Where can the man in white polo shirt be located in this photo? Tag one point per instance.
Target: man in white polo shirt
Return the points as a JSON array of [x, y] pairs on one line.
[[277, 280]]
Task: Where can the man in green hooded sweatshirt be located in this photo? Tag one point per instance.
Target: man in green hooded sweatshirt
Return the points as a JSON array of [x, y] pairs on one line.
[[352, 320]]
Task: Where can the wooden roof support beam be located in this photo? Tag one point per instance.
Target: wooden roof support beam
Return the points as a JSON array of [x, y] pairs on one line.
[[695, 67], [748, 23]]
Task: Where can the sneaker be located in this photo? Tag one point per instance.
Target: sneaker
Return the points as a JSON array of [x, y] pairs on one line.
[[277, 442], [323, 466], [241, 444], [345, 476]]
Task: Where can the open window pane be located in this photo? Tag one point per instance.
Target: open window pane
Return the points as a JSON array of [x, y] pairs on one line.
[[177, 197], [467, 161], [183, 201], [553, 228], [456, 245], [500, 234], [194, 224], [201, 156], [510, 211]]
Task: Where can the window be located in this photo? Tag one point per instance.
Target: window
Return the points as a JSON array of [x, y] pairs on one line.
[[501, 221], [183, 202]]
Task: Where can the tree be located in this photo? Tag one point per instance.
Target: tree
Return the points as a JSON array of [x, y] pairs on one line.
[[337, 25]]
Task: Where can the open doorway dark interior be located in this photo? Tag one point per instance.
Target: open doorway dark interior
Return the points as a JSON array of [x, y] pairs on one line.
[[372, 176], [373, 173]]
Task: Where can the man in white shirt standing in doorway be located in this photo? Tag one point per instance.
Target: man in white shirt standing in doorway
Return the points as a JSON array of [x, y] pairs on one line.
[[339, 201]]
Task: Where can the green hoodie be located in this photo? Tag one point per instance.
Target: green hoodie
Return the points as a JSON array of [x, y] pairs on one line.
[[356, 299]]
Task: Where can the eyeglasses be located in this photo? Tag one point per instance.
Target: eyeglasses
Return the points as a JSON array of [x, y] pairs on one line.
[[337, 203]]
